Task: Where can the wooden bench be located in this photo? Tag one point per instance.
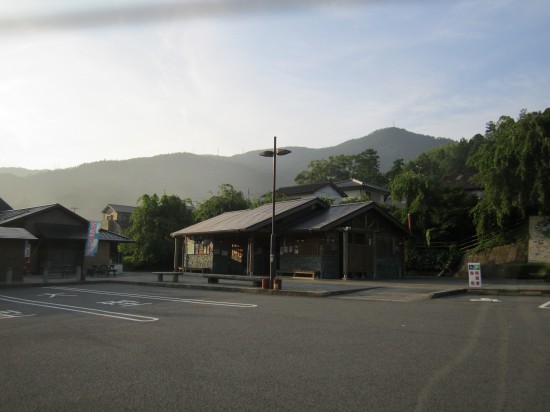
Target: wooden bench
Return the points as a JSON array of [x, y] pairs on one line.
[[256, 280], [160, 275], [313, 273]]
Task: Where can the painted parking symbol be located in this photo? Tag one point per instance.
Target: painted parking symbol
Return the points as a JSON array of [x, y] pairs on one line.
[[77, 309], [545, 306], [123, 303], [10, 314], [53, 295]]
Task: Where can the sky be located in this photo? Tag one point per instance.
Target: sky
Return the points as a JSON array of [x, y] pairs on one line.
[[111, 80]]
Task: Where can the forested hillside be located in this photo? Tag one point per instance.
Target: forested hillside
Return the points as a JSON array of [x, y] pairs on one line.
[[90, 187]]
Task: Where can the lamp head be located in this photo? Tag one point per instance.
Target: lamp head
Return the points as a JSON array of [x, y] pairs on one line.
[[269, 153]]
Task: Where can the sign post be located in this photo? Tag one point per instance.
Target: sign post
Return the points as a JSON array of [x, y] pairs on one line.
[[474, 275]]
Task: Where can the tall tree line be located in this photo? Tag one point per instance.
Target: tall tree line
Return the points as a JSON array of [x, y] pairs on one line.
[[511, 161]]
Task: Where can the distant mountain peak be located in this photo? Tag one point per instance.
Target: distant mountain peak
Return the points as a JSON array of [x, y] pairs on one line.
[[90, 187]]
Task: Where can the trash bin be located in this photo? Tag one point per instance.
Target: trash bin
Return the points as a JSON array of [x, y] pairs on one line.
[[278, 284]]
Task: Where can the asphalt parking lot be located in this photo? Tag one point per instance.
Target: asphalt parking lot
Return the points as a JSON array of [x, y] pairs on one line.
[[130, 347]]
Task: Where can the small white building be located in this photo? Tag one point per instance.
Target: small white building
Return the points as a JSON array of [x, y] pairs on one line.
[[355, 188]]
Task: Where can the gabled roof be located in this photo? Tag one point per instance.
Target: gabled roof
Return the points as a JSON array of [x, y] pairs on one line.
[[337, 215], [322, 218], [358, 184], [57, 231], [119, 208], [308, 189], [4, 206], [15, 233], [73, 232], [251, 219], [10, 216]]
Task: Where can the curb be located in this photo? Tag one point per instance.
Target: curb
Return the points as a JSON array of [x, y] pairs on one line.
[[224, 288], [444, 293], [490, 291], [282, 292], [511, 292]]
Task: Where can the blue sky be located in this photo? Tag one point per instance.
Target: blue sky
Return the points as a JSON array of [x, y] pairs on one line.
[[221, 79]]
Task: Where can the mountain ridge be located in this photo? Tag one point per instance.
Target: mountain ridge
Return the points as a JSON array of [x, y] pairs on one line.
[[89, 187]]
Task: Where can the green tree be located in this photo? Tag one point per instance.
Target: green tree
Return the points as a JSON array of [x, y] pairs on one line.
[[514, 169], [396, 170], [438, 211], [364, 166], [151, 223], [227, 200]]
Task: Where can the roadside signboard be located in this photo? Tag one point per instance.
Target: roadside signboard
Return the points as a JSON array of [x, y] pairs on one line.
[[474, 275]]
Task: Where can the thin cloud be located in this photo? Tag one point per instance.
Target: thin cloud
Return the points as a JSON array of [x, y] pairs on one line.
[[157, 12]]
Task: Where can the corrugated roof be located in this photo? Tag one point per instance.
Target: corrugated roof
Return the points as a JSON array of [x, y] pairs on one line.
[[331, 217], [249, 219], [15, 233], [11, 215], [337, 215], [324, 218], [76, 232]]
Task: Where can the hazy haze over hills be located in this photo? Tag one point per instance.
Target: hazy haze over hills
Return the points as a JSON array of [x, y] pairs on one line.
[[88, 188]]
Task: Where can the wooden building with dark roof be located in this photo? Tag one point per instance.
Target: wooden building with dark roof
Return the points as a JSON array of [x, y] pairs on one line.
[[59, 239], [15, 244], [356, 239]]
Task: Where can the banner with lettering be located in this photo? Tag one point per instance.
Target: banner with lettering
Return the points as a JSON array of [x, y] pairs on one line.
[[92, 241]]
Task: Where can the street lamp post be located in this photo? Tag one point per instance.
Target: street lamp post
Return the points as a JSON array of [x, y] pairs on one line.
[[272, 263]]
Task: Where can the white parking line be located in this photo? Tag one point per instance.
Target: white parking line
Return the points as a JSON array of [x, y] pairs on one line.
[[10, 314], [545, 306], [89, 311], [163, 298]]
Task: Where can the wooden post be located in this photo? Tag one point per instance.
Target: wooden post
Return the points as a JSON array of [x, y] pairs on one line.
[[345, 251], [374, 253], [250, 256], [176, 254]]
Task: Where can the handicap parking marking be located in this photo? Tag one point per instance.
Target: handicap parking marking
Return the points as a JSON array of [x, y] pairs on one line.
[[155, 297], [79, 309], [545, 306], [10, 314]]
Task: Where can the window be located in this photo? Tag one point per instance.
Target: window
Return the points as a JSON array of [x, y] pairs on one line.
[[300, 246], [237, 252], [199, 247]]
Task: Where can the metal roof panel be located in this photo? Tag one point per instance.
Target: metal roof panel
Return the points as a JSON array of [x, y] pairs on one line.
[[15, 233], [249, 219]]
